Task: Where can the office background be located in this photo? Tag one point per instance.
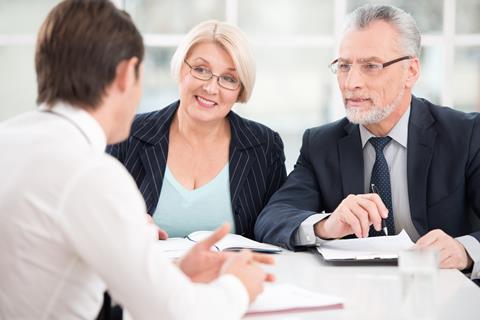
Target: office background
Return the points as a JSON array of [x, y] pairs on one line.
[[293, 40]]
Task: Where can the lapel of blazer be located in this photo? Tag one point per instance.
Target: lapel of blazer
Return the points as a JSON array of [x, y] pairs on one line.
[[241, 156], [154, 152], [421, 140], [350, 156], [154, 159]]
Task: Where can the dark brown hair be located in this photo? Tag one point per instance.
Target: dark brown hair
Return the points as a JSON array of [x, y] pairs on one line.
[[78, 49]]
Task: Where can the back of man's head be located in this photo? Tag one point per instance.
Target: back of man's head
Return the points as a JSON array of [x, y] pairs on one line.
[[78, 49], [409, 40]]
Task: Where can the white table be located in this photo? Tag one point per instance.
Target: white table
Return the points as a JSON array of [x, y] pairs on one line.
[[369, 292]]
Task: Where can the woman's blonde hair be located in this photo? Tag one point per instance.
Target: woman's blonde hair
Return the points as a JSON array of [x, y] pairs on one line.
[[232, 39]]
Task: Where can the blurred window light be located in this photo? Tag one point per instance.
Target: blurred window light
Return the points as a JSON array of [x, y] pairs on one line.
[[293, 40]]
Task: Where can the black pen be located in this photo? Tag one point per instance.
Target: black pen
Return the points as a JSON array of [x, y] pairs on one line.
[[374, 189]]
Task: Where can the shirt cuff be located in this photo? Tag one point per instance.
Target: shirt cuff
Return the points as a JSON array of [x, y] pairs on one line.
[[305, 235], [238, 292], [472, 246]]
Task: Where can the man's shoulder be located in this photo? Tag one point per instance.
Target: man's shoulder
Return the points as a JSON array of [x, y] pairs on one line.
[[330, 132], [448, 115], [81, 160], [99, 172], [454, 129], [106, 164]]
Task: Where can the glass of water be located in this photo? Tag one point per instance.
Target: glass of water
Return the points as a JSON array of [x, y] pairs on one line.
[[418, 274]]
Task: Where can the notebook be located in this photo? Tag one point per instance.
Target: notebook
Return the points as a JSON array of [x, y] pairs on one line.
[[177, 247]]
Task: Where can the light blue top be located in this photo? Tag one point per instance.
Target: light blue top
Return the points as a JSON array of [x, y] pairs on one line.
[[180, 211]]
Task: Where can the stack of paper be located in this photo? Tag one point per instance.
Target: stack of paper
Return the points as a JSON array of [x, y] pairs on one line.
[[373, 248], [280, 298]]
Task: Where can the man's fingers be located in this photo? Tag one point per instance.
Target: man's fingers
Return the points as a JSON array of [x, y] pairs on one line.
[[256, 257], [375, 198], [216, 236], [442, 251], [439, 241], [350, 219], [263, 258], [162, 234], [149, 218], [449, 263], [430, 243], [447, 260], [374, 213], [363, 217], [451, 254], [427, 240], [368, 209], [270, 277]]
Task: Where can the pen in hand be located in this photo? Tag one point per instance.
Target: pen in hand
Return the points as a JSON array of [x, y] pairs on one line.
[[374, 189]]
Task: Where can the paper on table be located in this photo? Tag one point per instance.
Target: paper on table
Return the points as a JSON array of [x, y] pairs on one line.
[[280, 298], [235, 242], [383, 247], [177, 247]]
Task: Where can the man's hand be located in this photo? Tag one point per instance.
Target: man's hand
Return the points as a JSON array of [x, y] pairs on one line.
[[243, 266], [355, 214], [201, 264], [162, 234], [452, 254]]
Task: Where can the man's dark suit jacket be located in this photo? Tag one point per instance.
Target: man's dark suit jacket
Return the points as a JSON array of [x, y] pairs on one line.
[[443, 168], [256, 168]]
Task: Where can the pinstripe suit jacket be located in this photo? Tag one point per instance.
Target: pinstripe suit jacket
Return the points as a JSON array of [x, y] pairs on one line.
[[256, 168]]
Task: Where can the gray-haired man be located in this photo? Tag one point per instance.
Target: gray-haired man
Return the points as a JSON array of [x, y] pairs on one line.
[[423, 159]]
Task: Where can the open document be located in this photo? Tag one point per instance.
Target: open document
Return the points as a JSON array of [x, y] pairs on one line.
[[177, 247], [364, 249], [281, 298]]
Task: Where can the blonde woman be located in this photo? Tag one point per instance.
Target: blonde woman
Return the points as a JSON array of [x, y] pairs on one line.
[[197, 163]]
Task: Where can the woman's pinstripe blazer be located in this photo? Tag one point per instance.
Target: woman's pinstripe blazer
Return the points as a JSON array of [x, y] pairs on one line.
[[256, 168]]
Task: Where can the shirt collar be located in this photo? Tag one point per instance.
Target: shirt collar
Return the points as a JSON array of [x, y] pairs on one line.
[[399, 132], [84, 121]]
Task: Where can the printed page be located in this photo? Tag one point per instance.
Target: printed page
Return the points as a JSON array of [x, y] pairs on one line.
[[383, 247], [280, 298]]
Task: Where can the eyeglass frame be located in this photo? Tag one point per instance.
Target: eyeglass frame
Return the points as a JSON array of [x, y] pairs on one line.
[[211, 76], [384, 65]]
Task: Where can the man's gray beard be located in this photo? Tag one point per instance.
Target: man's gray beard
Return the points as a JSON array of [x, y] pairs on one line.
[[374, 115]]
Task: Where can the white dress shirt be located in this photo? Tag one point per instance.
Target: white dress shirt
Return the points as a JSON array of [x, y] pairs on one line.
[[73, 223], [395, 153]]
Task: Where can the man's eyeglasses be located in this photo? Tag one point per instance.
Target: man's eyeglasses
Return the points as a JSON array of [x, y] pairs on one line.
[[224, 80], [367, 68]]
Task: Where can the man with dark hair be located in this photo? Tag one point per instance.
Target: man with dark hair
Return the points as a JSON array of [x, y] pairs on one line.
[[79, 47], [423, 160], [73, 221]]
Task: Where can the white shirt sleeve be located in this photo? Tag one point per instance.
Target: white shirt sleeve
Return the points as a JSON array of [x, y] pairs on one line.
[[472, 246], [305, 235], [103, 218]]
